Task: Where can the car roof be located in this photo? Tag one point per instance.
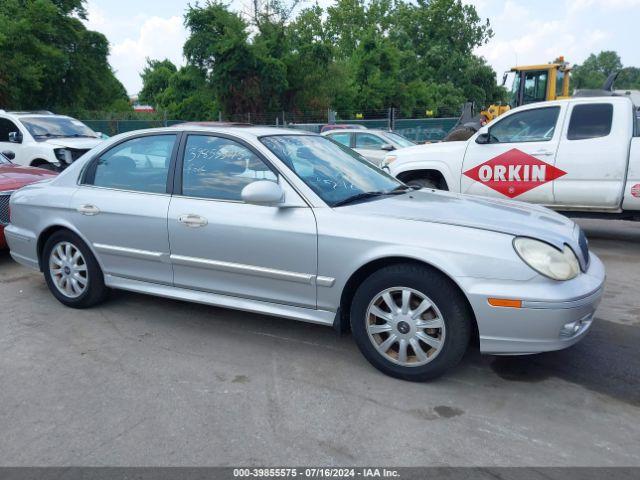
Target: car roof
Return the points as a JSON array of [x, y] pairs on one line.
[[239, 131], [354, 130]]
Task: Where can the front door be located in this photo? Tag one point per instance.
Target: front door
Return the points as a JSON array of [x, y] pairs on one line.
[[518, 161], [121, 208], [223, 245]]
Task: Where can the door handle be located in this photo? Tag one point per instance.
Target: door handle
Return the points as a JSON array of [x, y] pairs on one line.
[[88, 210], [542, 153], [193, 221]]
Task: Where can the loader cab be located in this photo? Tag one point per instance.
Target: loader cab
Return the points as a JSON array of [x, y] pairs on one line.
[[538, 83]]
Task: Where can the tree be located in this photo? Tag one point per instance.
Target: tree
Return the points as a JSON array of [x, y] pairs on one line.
[[48, 58], [355, 56], [155, 80], [595, 69]]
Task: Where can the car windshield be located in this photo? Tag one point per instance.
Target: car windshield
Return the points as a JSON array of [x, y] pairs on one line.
[[51, 126], [334, 173], [399, 139]]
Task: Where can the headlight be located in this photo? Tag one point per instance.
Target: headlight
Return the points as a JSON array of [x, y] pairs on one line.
[[63, 155], [548, 260]]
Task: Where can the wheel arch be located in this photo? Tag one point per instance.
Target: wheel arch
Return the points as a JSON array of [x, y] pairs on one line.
[[37, 161], [430, 174], [46, 233], [341, 322]]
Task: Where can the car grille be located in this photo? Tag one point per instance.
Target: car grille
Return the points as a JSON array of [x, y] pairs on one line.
[[4, 207], [584, 248]]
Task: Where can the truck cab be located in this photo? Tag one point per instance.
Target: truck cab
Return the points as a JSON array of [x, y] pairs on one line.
[[575, 155]]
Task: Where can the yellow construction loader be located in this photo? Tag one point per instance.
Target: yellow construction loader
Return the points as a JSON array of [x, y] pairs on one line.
[[530, 84]]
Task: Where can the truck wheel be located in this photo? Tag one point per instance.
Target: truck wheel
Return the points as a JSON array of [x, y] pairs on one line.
[[423, 183], [44, 165], [410, 322]]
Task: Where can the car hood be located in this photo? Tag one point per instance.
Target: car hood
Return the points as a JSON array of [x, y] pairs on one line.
[[436, 151], [504, 216], [13, 177], [77, 143]]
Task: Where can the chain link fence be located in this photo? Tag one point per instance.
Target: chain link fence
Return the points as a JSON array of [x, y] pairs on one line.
[[421, 125]]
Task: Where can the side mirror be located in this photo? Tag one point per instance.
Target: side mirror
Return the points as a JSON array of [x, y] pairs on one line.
[[15, 137], [263, 192], [387, 147], [9, 154], [483, 139]]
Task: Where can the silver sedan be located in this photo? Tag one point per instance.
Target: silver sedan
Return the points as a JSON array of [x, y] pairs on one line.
[[291, 224]]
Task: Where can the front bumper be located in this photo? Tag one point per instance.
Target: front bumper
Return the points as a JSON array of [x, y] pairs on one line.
[[554, 315]]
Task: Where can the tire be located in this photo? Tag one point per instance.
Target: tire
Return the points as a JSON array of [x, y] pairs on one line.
[[423, 183], [448, 308], [59, 261], [45, 165]]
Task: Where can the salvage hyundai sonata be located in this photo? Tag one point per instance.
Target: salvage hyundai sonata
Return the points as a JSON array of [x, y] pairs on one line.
[[291, 224]]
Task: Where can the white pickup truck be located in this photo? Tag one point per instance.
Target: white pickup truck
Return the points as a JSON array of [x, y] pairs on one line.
[[580, 155]]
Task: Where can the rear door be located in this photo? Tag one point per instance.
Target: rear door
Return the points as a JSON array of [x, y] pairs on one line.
[[121, 207], [518, 162], [594, 151]]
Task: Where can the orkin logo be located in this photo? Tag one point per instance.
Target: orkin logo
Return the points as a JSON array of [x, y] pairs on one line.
[[514, 173]]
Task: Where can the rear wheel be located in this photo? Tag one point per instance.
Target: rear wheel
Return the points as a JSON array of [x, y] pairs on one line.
[[72, 272], [410, 322]]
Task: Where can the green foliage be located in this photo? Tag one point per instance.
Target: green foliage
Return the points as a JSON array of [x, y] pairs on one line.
[[595, 70], [597, 67], [354, 56], [49, 60]]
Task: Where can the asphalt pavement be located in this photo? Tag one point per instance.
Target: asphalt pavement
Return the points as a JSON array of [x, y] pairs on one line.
[[142, 381]]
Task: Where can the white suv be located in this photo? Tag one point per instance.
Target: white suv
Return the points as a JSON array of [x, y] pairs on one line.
[[42, 139]]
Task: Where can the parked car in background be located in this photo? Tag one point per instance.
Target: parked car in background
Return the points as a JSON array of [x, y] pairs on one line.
[[341, 126], [42, 139], [13, 177], [372, 144], [580, 156], [289, 223]]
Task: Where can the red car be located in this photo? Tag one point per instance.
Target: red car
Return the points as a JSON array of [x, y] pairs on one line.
[[12, 177]]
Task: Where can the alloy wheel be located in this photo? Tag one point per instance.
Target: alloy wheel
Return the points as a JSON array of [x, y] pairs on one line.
[[405, 326], [68, 270]]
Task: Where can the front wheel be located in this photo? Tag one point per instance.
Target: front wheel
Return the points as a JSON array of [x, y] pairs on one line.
[[410, 322], [71, 271]]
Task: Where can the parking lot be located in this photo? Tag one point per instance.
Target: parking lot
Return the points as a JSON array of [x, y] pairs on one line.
[[147, 381]]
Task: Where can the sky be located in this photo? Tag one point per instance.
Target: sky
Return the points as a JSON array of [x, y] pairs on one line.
[[525, 32]]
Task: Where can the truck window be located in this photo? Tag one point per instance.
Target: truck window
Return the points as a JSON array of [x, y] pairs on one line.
[[535, 125], [590, 121]]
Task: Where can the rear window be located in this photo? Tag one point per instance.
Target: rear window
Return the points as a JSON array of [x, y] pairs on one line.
[[590, 121]]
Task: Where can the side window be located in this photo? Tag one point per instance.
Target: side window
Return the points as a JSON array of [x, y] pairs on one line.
[[140, 164], [343, 138], [536, 125], [6, 127], [369, 141], [219, 168], [590, 121]]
